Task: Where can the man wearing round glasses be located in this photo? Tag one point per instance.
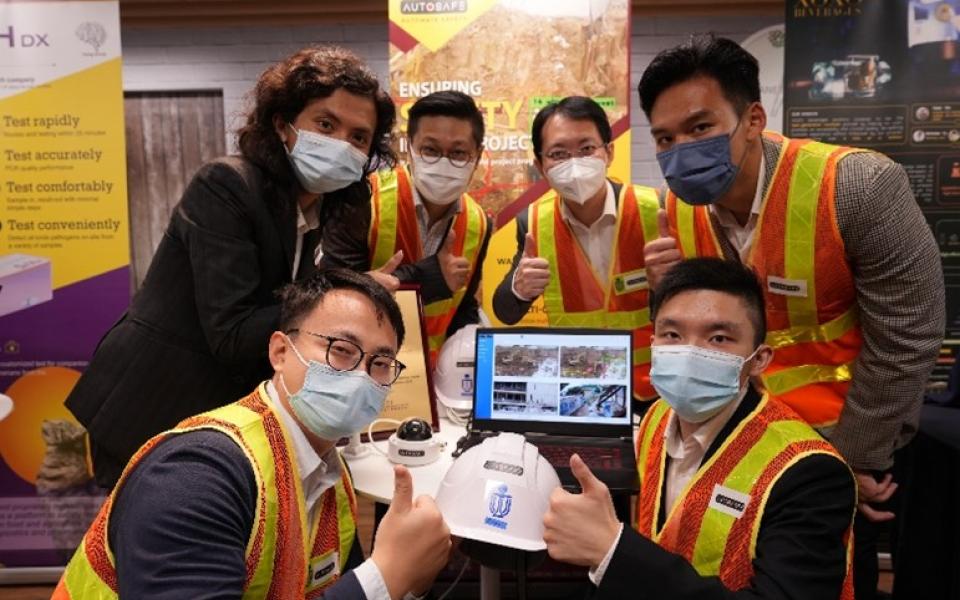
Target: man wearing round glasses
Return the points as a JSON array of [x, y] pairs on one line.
[[252, 499], [421, 218], [580, 246]]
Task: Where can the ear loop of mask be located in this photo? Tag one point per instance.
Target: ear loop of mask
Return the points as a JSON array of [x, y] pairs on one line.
[[283, 382]]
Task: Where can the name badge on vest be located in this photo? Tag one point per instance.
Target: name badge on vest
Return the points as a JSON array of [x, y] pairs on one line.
[[322, 569], [787, 287], [624, 283], [729, 501]]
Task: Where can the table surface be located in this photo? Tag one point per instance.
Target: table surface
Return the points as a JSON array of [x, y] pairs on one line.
[[373, 473]]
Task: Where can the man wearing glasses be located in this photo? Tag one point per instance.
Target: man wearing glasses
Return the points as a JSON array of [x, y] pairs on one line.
[[252, 499], [421, 220], [580, 246]]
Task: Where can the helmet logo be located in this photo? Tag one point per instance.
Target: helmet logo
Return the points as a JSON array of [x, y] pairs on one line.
[[466, 385], [499, 506]]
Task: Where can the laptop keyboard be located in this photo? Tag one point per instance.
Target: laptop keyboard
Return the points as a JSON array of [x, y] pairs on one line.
[[597, 458]]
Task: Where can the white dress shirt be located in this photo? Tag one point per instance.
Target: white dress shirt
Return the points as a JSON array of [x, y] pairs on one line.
[[741, 236], [432, 235], [305, 222]]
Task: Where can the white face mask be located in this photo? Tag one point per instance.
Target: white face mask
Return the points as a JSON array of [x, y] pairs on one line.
[[325, 164], [578, 179], [441, 182]]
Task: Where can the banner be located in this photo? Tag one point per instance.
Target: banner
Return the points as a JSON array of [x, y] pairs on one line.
[[514, 57], [885, 75], [64, 258]]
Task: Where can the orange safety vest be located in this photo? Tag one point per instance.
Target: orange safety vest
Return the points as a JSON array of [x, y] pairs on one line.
[[715, 521], [578, 296], [284, 558], [798, 255], [393, 227]]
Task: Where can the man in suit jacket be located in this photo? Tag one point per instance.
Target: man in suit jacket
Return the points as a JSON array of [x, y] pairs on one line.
[[195, 335], [739, 497]]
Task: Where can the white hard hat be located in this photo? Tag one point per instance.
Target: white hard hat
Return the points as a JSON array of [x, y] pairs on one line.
[[6, 406], [497, 492], [453, 377]]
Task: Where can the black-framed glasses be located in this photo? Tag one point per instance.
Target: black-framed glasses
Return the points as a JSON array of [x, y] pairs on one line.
[[457, 158], [562, 154], [344, 355]]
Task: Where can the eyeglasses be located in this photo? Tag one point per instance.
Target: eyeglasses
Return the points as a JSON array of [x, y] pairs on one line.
[[562, 154], [457, 158], [344, 355]]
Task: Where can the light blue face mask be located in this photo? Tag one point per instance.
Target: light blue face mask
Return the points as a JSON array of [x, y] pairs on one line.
[[335, 404], [696, 382], [700, 172], [325, 164]]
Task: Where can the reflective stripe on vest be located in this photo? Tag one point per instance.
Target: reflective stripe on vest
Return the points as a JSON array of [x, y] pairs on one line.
[[715, 528], [813, 323], [394, 227], [278, 552], [577, 296]]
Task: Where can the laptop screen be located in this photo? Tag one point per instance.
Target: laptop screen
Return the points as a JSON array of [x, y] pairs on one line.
[[566, 381]]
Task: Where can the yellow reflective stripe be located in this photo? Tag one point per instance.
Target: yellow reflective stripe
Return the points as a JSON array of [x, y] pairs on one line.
[[648, 205], [786, 380], [641, 356], [346, 524], [828, 332], [388, 200], [600, 318], [799, 252], [82, 581], [685, 228], [547, 248]]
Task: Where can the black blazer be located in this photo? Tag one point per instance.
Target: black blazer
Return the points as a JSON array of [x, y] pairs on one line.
[[800, 550], [195, 336]]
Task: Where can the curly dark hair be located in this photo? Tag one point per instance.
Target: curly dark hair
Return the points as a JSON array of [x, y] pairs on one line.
[[285, 89]]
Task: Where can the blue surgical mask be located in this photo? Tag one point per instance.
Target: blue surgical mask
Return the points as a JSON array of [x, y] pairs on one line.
[[334, 404], [325, 164], [699, 172], [696, 382]]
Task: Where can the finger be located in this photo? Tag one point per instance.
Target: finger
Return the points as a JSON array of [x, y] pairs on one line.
[[529, 246], [660, 245], [663, 224], [540, 264], [874, 515], [885, 494], [402, 490], [588, 481], [393, 263]]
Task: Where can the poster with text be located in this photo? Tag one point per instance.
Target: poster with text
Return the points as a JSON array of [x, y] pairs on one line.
[[64, 257], [513, 57], [885, 75]]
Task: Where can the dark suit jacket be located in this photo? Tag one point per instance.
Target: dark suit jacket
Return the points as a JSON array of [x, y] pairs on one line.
[[347, 246], [799, 553], [195, 336], [507, 307]]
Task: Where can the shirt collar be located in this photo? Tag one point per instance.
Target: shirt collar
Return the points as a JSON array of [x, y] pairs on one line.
[[308, 461], [307, 221], [725, 216], [704, 436], [609, 209]]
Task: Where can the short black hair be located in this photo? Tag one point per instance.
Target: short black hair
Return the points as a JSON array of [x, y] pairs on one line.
[[579, 108], [727, 276], [297, 299], [721, 59], [448, 103]]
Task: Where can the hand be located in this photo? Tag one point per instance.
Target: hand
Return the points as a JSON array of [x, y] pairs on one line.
[[871, 491], [454, 268], [662, 253], [412, 542], [533, 273], [384, 275], [580, 528]]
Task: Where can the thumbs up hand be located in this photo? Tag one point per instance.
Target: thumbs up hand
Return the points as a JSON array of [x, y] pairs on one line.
[[454, 268], [532, 274], [581, 528], [384, 275], [412, 543], [661, 254]]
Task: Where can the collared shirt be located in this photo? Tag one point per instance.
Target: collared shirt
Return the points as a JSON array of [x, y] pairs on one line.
[[741, 236], [317, 475], [687, 454], [305, 222], [432, 235], [595, 239]]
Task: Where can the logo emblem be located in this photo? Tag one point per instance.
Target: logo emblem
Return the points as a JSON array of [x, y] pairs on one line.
[[92, 33], [499, 507], [466, 385]]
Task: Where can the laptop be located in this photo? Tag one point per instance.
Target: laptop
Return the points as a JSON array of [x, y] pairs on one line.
[[566, 390]]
